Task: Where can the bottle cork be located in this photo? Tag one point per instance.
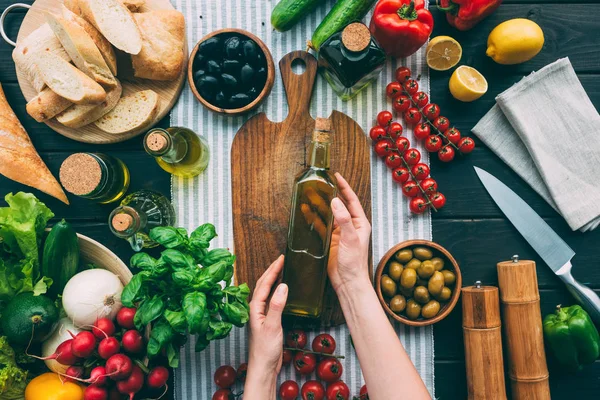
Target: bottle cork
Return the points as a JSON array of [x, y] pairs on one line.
[[80, 174], [322, 130], [356, 37], [121, 222], [156, 142]]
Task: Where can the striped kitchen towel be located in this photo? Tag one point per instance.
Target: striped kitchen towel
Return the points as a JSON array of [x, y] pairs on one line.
[[207, 198]]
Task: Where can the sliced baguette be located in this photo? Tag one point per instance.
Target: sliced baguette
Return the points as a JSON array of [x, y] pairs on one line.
[[82, 49], [79, 115], [133, 112], [115, 22], [132, 5], [67, 81], [46, 105]]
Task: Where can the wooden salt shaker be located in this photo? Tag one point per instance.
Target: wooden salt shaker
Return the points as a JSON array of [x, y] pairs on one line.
[[483, 342], [517, 280]]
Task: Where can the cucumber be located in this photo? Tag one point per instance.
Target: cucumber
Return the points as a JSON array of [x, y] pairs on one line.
[[288, 12], [60, 260], [342, 13], [26, 315]]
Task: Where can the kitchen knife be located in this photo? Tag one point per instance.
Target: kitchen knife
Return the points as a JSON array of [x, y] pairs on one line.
[[553, 250]]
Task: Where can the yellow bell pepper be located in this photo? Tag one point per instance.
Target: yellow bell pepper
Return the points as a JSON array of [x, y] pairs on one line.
[[49, 386]]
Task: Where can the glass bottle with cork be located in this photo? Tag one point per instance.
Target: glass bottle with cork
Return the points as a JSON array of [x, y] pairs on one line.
[[138, 213], [310, 227], [350, 60], [95, 176], [179, 151]]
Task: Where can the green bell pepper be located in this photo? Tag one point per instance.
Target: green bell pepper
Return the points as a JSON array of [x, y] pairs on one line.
[[572, 337]]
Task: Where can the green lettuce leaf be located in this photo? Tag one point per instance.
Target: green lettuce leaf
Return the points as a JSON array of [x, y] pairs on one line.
[[13, 379]]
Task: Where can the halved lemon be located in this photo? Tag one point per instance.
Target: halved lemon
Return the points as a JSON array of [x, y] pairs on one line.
[[443, 53], [467, 84]]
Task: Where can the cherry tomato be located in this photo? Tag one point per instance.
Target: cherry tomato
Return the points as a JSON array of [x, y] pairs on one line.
[[411, 86], [446, 153], [410, 189], [329, 369], [420, 171], [225, 376], [392, 161], [394, 130], [433, 143], [411, 156], [223, 394], [429, 185], [453, 135], [421, 131], [324, 343], [241, 373], [420, 99], [431, 111], [305, 363], [287, 357], [364, 395], [402, 74], [412, 116], [438, 200], [402, 144], [383, 148], [338, 391], [466, 145], [313, 390], [393, 89], [401, 103], [441, 123], [400, 175], [384, 118], [377, 133], [296, 339], [418, 205], [289, 390]]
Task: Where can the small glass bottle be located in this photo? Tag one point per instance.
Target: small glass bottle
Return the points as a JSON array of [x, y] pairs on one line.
[[350, 60], [179, 151], [138, 213], [95, 176], [309, 230]]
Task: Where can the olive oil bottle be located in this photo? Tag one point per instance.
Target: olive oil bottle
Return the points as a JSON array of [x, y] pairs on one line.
[[309, 230]]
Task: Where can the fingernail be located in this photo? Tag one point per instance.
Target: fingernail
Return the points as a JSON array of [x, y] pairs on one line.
[[335, 203], [282, 289]]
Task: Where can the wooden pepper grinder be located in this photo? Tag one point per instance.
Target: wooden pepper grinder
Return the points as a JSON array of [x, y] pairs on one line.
[[522, 319], [483, 342]]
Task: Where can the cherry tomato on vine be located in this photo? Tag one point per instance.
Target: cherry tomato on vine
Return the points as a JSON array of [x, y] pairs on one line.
[[453, 135], [383, 148], [411, 156], [420, 171], [420, 99], [433, 143], [338, 391], [411, 86], [392, 161], [418, 205], [225, 376], [438, 200], [410, 189], [400, 175], [412, 116], [312, 390], [329, 369], [441, 123], [305, 363], [446, 153], [384, 118], [296, 339], [289, 390], [324, 343], [431, 111], [287, 357], [363, 394], [393, 89], [242, 371], [223, 394], [402, 74], [429, 185], [402, 144], [394, 130], [377, 133], [401, 103], [466, 145], [421, 131]]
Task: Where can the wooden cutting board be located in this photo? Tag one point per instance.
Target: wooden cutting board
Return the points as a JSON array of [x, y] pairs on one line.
[[265, 158]]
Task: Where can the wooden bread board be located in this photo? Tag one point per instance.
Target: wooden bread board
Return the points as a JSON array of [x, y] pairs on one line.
[[266, 157], [167, 91]]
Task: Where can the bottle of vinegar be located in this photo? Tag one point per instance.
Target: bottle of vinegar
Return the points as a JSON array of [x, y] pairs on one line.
[[310, 226]]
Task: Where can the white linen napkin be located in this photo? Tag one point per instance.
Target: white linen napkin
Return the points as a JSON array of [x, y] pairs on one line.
[[547, 130]]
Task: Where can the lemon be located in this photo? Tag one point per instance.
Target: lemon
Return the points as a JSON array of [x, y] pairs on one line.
[[515, 41], [443, 53], [467, 84]]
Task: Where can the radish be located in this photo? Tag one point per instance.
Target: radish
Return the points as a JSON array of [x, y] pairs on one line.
[[94, 392], [125, 317], [108, 347], [132, 341], [73, 372], [62, 333], [63, 354], [158, 377], [118, 367], [133, 384], [98, 376], [83, 344], [103, 327]]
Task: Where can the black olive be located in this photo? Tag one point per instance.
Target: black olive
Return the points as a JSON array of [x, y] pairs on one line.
[[199, 60], [252, 93], [251, 51], [221, 100], [233, 47], [239, 100], [213, 67], [247, 75], [207, 86], [232, 67], [261, 77], [229, 82], [211, 47], [199, 74]]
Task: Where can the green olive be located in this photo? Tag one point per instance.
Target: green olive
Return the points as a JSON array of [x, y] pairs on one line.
[[413, 264], [430, 309], [395, 270], [398, 303], [408, 278], [406, 292], [413, 309], [438, 263], [388, 286], [449, 277], [423, 253], [436, 283], [444, 295], [421, 295], [404, 255], [426, 269]]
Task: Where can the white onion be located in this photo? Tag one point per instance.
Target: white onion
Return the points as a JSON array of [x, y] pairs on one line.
[[60, 335], [91, 295]]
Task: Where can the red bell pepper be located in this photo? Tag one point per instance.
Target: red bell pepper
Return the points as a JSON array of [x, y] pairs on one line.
[[465, 14], [401, 27]]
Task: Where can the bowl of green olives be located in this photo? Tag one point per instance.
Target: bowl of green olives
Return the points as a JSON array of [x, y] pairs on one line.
[[418, 282], [231, 71]]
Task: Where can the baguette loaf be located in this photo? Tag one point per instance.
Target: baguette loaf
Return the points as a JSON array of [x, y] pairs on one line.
[[132, 5], [132, 112], [19, 160], [79, 115], [163, 35], [82, 49], [46, 105], [69, 82]]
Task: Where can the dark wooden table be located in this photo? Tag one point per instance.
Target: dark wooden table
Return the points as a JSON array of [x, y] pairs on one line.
[[471, 227]]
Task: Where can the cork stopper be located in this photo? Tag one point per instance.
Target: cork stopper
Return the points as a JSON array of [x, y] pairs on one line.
[[356, 37], [80, 174], [156, 142], [121, 222], [322, 131]]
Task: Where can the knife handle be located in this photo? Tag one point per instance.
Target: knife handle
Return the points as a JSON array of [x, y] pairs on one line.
[[585, 296]]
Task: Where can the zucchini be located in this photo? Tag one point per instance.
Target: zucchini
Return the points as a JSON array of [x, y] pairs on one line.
[[343, 13], [29, 318], [288, 12], [60, 260]]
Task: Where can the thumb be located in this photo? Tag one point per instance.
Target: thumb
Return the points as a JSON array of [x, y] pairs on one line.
[[344, 220], [276, 306]]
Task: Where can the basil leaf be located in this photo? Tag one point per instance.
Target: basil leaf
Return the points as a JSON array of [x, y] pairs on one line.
[[201, 343], [132, 292], [168, 236], [228, 273], [148, 311], [236, 313], [183, 278], [218, 329], [172, 356], [161, 334], [154, 267], [177, 320], [239, 293], [194, 305], [204, 233], [217, 271], [216, 255], [177, 260]]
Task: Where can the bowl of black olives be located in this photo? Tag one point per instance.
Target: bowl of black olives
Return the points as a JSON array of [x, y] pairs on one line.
[[231, 71]]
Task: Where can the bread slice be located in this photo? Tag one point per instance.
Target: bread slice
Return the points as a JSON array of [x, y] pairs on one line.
[[133, 112], [69, 82], [19, 160], [24, 55], [80, 115], [46, 105], [132, 5], [163, 37], [115, 22], [82, 49]]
